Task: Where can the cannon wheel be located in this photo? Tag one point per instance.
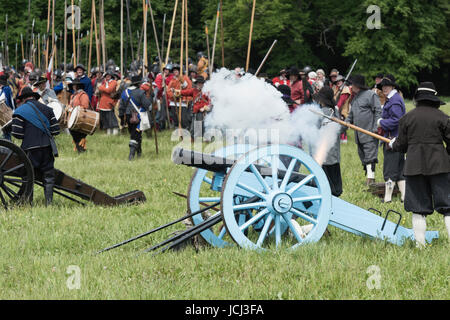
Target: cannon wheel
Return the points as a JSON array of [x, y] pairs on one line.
[[278, 203], [199, 192], [16, 175]]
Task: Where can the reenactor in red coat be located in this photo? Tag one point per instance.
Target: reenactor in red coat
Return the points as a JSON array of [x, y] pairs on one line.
[[202, 104]]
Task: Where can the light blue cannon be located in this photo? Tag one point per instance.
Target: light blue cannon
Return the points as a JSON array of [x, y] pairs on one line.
[[265, 202]]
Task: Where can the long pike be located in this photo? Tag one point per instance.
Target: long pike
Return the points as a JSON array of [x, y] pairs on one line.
[[352, 126]]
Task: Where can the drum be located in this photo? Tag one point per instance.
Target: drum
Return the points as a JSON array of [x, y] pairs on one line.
[[58, 109], [5, 115], [83, 120]]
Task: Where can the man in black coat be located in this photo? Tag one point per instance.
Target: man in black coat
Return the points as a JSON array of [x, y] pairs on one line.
[[33, 122], [422, 133], [132, 100]]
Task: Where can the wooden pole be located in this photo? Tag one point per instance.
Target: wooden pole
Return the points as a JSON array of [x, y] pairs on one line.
[[163, 38], [39, 51], [265, 58], [90, 35], [160, 67], [65, 38], [130, 32], [207, 42], [21, 43], [351, 126], [187, 37], [79, 55], [6, 41], [211, 63], [74, 47], [250, 37], [97, 44], [121, 37], [145, 56], [222, 34], [162, 73], [171, 32], [181, 78], [103, 34]]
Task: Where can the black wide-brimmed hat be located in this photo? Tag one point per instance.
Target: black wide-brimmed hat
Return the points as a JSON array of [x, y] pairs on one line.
[[286, 92], [293, 71], [325, 97], [39, 81], [427, 92], [199, 79], [379, 76], [136, 80], [27, 92], [359, 81], [388, 80], [76, 82]]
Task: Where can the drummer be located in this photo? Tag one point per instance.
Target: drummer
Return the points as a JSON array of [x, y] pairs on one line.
[[78, 99]]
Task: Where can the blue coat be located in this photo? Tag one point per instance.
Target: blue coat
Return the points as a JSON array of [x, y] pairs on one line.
[[8, 96], [87, 86], [393, 110]]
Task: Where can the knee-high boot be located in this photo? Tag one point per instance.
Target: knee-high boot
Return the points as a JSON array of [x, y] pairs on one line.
[[133, 148], [49, 183]]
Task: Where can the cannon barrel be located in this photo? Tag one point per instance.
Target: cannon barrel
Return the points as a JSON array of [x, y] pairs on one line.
[[219, 164]]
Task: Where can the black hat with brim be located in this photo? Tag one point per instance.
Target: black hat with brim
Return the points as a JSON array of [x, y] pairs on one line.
[[427, 92], [39, 81], [359, 81], [325, 97], [199, 79], [27, 92], [76, 82], [388, 80], [136, 80], [293, 71]]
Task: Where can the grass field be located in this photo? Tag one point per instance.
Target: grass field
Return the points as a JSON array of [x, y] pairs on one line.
[[39, 244]]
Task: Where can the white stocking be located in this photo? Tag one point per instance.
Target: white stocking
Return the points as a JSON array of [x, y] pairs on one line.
[[447, 225], [419, 223]]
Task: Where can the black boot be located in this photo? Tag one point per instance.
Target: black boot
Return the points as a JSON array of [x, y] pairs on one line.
[[49, 183], [139, 150], [132, 152]]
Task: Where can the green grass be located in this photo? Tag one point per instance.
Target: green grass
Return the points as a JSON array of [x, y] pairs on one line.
[[38, 244]]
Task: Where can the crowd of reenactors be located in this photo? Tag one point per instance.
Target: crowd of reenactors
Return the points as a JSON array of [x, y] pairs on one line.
[[173, 97]]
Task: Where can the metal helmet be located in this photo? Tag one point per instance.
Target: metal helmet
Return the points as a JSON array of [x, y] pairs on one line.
[[307, 70], [169, 67], [200, 54]]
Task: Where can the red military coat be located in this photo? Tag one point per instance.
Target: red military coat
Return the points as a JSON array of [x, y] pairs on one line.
[[200, 100]]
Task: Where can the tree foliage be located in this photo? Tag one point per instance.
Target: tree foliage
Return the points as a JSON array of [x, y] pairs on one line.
[[413, 39]]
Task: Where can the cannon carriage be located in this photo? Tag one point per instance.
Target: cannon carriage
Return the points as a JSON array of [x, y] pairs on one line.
[[269, 197], [17, 179]]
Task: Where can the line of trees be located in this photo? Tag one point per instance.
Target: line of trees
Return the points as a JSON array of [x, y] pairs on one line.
[[413, 42]]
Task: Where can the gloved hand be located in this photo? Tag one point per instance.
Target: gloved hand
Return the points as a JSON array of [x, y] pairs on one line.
[[392, 142], [379, 123]]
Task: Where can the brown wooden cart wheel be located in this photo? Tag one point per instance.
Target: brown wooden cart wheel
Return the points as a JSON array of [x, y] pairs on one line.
[[16, 175]]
